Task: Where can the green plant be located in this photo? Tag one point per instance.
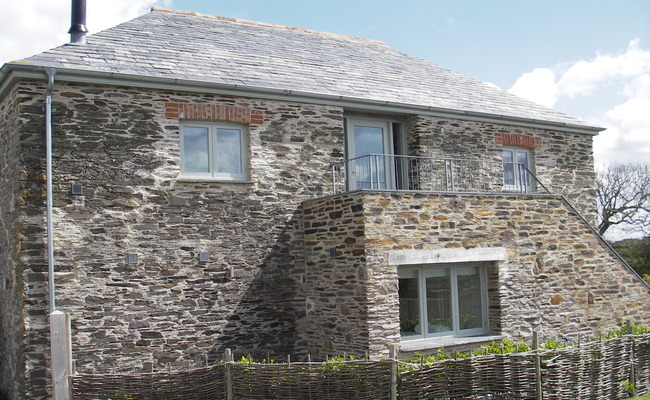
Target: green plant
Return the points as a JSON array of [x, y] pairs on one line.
[[629, 387], [408, 324], [504, 346], [338, 359], [636, 329], [246, 359], [440, 322], [467, 321], [420, 358], [552, 344]]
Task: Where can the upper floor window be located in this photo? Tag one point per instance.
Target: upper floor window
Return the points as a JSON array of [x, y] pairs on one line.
[[214, 151], [442, 300], [517, 169]]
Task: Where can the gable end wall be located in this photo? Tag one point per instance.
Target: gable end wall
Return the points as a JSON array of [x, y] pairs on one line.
[[12, 340]]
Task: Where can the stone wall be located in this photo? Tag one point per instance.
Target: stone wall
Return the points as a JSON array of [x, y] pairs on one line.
[[337, 285], [563, 161], [559, 278], [12, 367], [121, 145]]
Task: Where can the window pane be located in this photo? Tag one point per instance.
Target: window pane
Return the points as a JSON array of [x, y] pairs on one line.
[[228, 151], [368, 140], [508, 168], [195, 149], [370, 171], [470, 310], [522, 158], [522, 164], [409, 305], [438, 294]]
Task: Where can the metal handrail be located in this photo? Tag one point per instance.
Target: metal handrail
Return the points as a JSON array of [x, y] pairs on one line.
[[417, 173]]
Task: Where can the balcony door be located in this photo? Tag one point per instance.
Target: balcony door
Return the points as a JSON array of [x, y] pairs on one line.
[[369, 144]]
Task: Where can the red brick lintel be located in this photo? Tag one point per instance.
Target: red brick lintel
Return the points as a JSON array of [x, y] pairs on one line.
[[214, 112], [518, 140]]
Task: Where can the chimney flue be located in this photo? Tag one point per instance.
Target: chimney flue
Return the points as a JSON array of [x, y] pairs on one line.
[[78, 28]]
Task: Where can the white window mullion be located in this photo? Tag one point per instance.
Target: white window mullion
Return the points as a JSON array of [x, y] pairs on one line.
[[213, 155], [424, 325], [454, 301], [484, 297]]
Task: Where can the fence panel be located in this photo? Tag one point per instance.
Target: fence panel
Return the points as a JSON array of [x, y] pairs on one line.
[[198, 384], [642, 364], [345, 380], [595, 370], [505, 376]]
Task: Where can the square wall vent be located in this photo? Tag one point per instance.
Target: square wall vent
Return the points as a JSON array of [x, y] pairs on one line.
[[76, 189]]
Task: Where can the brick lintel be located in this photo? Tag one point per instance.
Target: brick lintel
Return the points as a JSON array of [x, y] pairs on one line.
[[519, 140], [214, 112]]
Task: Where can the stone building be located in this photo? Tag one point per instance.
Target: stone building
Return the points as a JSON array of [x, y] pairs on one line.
[[219, 184]]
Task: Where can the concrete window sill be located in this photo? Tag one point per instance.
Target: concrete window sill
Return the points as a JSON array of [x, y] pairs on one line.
[[208, 180], [435, 343]]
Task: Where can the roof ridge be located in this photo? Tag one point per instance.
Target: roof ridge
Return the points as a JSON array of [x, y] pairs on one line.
[[266, 24]]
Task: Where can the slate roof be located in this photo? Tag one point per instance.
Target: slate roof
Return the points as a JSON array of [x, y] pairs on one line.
[[256, 56]]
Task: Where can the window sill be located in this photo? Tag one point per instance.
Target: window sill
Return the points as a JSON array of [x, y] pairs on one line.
[[435, 343], [212, 180]]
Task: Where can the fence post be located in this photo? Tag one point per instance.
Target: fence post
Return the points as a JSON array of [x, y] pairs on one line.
[[539, 395], [61, 349], [393, 370], [630, 330], [228, 358]]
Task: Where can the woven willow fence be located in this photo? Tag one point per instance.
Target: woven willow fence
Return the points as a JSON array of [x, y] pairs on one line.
[[606, 369]]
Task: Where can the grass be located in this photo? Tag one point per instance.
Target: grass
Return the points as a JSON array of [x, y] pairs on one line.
[[646, 397]]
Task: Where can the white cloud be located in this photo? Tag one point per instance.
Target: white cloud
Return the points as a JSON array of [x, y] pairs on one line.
[[584, 77], [628, 137], [538, 86], [610, 90], [638, 87], [30, 27]]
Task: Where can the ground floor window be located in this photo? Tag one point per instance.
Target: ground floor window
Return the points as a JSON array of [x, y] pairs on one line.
[[442, 300]]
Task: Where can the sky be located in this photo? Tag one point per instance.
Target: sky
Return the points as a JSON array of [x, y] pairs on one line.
[[587, 58]]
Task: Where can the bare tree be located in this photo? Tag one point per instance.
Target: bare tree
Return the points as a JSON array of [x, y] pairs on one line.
[[623, 193]]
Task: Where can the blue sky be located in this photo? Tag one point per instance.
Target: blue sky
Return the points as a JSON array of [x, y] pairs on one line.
[[490, 40], [587, 58]]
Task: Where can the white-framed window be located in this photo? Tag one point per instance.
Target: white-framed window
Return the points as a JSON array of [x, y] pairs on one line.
[[517, 169], [443, 300], [214, 151]]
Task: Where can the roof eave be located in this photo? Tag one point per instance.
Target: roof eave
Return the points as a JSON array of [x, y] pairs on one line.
[[13, 71]]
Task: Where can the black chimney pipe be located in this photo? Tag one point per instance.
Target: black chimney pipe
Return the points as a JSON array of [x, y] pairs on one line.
[[78, 28]]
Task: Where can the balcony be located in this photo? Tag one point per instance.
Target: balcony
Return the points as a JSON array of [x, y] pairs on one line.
[[410, 173]]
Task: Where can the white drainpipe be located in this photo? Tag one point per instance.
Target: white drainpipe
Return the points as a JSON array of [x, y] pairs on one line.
[[60, 339], [48, 177]]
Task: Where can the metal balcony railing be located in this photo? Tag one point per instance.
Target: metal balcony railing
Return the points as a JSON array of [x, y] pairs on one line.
[[397, 172]]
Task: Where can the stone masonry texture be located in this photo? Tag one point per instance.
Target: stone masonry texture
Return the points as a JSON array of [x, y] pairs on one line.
[[13, 274], [291, 269], [559, 278], [168, 309], [563, 162]]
